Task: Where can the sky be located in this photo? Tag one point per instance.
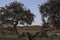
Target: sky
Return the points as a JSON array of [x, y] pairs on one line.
[[29, 4]]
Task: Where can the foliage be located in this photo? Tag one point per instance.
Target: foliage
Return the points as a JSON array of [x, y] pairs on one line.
[[51, 11], [14, 12]]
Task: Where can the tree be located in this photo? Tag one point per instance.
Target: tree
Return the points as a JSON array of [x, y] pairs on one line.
[[13, 13], [51, 11]]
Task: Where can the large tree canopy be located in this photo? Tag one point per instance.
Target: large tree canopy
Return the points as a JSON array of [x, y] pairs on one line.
[[15, 12], [51, 11]]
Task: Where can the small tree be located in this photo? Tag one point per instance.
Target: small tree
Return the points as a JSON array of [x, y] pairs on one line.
[[13, 13]]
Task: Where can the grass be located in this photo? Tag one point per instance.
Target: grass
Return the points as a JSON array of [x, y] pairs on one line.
[[45, 38], [7, 38], [49, 38], [32, 30]]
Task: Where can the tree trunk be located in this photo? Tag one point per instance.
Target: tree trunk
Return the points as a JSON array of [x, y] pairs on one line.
[[29, 37], [14, 26]]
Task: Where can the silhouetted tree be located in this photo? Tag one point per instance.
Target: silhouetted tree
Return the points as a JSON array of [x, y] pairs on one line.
[[51, 11], [14, 12]]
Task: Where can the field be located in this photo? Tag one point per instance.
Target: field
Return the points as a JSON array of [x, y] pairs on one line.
[[49, 38], [33, 30], [30, 29]]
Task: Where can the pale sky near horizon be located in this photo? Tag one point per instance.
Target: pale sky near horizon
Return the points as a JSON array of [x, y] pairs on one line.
[[29, 4]]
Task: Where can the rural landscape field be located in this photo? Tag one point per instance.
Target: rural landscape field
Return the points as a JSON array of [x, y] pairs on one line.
[[11, 35], [29, 19]]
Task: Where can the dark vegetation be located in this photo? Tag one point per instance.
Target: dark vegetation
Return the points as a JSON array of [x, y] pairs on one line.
[[51, 11]]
